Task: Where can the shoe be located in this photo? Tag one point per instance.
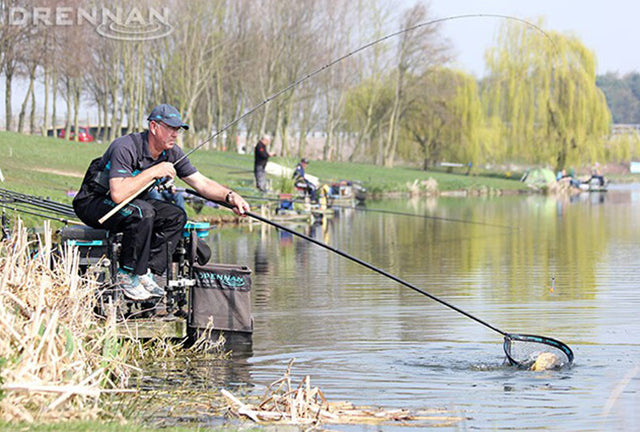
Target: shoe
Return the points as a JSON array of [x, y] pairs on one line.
[[150, 285], [131, 286]]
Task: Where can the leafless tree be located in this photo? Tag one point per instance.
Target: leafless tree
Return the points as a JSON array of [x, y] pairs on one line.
[[417, 49]]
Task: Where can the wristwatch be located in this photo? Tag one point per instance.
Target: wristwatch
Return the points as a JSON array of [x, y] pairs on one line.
[[227, 198]]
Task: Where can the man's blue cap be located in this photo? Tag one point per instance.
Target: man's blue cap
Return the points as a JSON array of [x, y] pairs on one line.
[[168, 115]]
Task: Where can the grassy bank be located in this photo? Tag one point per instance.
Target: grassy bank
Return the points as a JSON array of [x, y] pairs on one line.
[[51, 166]]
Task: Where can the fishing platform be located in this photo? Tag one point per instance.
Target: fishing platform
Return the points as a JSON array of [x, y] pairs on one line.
[[199, 296]]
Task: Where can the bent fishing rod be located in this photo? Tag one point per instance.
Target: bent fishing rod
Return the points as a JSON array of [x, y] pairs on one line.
[[515, 354], [299, 81]]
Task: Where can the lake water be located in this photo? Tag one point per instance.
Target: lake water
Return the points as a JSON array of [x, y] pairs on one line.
[[559, 267]]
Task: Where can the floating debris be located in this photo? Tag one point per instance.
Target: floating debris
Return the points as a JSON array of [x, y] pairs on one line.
[[304, 405]]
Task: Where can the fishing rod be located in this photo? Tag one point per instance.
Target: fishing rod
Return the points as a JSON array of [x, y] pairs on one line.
[[30, 207], [516, 353], [39, 202], [34, 207], [41, 207], [299, 81], [35, 199], [32, 213]]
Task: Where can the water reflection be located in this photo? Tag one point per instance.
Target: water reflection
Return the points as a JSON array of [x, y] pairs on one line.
[[565, 268]]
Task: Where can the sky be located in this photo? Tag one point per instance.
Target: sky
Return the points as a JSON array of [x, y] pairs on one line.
[[610, 28]]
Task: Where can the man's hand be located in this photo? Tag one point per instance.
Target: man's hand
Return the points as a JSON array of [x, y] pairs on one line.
[[162, 170], [121, 188], [213, 190], [240, 206]]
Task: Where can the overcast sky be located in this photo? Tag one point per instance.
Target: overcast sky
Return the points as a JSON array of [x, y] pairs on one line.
[[610, 28]]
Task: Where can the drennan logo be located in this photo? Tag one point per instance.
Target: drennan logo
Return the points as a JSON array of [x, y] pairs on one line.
[[133, 24], [224, 281]]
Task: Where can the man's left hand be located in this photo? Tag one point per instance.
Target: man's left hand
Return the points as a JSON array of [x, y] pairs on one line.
[[240, 206]]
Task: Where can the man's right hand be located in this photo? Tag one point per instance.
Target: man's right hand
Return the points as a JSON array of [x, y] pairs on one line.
[[122, 188], [162, 170]]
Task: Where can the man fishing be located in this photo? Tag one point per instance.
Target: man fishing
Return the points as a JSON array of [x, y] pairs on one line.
[[301, 181], [148, 226]]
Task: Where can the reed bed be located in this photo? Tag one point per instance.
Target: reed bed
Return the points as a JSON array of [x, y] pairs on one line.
[[306, 406], [57, 358]]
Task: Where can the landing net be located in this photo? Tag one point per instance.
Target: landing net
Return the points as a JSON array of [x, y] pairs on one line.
[[524, 350]]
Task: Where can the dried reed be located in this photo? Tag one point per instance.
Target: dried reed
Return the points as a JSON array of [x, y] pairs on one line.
[[303, 405], [58, 359]]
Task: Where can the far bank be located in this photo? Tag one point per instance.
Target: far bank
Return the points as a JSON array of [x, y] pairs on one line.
[[51, 167]]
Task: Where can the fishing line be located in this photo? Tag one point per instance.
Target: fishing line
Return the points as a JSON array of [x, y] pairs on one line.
[[374, 210], [316, 72], [439, 218]]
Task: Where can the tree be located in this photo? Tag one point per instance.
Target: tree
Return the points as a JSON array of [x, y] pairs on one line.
[[336, 31], [363, 113], [11, 39], [542, 88], [192, 54], [418, 48], [444, 118], [366, 115], [623, 96]]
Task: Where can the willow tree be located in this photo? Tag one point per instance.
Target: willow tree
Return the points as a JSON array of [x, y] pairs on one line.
[[445, 117], [542, 88]]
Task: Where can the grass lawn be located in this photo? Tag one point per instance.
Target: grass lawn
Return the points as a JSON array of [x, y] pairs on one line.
[[48, 166]]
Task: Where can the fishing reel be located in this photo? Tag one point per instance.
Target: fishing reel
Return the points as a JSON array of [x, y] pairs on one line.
[[165, 184]]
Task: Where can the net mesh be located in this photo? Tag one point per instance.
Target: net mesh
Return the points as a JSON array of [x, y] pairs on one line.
[[525, 350]]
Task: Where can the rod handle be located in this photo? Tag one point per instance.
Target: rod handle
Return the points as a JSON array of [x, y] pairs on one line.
[[126, 201]]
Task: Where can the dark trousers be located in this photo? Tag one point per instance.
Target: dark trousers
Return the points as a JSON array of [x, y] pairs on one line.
[[261, 177], [308, 187], [146, 226]]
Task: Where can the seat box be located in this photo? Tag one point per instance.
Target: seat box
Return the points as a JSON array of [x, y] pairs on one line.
[[221, 292], [93, 244]]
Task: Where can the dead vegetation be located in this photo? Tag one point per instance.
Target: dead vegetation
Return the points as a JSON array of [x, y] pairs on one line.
[[304, 405], [57, 359]]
